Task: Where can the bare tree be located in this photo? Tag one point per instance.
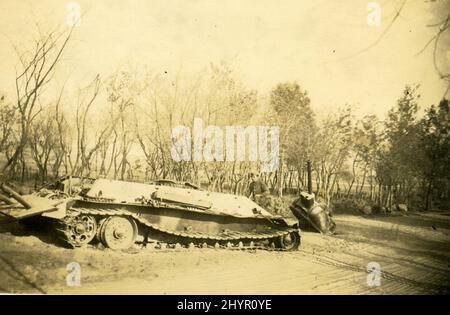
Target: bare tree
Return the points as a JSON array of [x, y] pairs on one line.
[[123, 89], [37, 70], [89, 139], [43, 140], [334, 143], [8, 122], [63, 148]]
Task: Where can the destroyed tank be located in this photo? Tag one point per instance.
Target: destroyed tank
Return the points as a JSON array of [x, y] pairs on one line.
[[312, 215], [309, 212], [115, 212]]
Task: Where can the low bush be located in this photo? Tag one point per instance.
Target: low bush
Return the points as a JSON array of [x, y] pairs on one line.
[[353, 206]]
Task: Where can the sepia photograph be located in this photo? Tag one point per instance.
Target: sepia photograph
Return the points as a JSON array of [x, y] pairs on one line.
[[250, 148]]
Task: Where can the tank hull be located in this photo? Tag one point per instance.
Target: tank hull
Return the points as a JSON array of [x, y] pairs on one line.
[[190, 226], [115, 212]]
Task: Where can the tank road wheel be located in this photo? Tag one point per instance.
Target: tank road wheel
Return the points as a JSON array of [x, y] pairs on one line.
[[118, 232], [80, 230], [289, 241], [98, 235]]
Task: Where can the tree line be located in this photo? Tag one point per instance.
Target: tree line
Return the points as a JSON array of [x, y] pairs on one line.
[[119, 127]]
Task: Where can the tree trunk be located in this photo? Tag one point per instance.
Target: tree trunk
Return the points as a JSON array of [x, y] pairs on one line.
[[428, 195]]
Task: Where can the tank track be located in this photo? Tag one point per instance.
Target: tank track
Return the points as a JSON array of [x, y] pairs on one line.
[[188, 239], [432, 287]]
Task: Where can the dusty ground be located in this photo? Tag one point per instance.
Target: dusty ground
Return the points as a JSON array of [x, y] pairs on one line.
[[413, 252]]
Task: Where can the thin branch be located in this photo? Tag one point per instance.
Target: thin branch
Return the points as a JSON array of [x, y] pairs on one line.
[[386, 30], [443, 27]]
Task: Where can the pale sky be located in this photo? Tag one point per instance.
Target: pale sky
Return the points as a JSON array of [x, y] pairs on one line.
[[268, 41]]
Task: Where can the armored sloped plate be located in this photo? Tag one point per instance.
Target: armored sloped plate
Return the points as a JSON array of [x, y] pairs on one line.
[[39, 206]]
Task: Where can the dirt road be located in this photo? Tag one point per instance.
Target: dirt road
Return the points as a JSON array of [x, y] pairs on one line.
[[413, 253]]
